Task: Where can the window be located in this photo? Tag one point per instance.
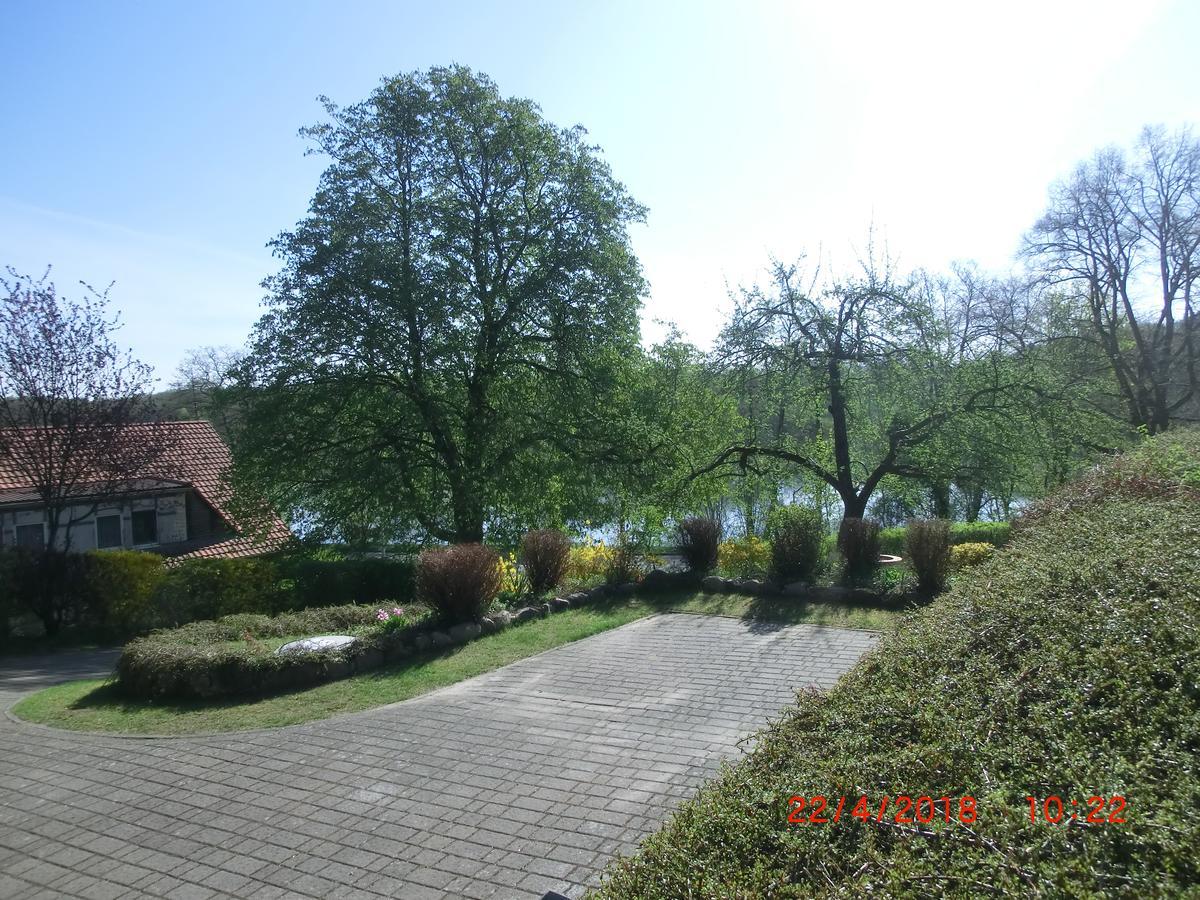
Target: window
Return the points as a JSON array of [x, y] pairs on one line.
[[108, 531], [145, 527], [32, 536]]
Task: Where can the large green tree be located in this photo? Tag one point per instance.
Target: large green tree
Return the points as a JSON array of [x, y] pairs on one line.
[[460, 293]]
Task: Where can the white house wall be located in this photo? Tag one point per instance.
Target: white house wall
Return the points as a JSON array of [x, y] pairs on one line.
[[172, 521]]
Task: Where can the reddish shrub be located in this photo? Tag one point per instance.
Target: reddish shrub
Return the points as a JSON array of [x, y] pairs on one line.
[[545, 555], [699, 538], [459, 582]]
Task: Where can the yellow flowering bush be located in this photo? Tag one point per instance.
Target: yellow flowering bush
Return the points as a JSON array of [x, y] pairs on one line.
[[744, 557], [971, 554], [588, 560], [512, 579]]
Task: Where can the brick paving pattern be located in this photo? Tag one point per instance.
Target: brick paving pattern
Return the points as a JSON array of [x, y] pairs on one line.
[[524, 780]]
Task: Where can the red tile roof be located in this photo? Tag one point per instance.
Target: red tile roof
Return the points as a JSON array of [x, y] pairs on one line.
[[197, 456]]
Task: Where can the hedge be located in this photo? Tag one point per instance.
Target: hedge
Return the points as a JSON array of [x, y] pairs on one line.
[[1066, 666], [134, 591], [891, 540], [228, 656]]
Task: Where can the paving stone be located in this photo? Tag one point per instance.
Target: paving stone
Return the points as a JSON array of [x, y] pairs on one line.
[[520, 781]]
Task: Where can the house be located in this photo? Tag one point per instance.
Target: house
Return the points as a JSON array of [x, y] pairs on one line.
[[182, 511]]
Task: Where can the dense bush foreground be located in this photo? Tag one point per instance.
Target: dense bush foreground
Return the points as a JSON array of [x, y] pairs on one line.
[[1069, 665]]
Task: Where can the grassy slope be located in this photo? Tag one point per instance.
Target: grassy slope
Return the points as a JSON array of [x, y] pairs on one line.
[[1069, 665], [92, 706]]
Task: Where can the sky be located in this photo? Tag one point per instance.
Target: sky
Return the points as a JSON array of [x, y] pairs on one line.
[[154, 146]]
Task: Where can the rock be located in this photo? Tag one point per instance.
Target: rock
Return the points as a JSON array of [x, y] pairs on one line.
[[796, 589], [440, 639], [580, 597], [323, 644], [467, 631], [488, 625], [544, 610], [502, 619], [625, 590], [524, 615], [422, 642], [713, 584], [558, 604]]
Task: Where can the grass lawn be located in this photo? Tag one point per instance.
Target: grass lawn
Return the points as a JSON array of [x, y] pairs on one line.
[[93, 705]]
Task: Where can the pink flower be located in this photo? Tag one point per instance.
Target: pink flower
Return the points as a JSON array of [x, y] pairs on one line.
[[397, 611], [382, 615]]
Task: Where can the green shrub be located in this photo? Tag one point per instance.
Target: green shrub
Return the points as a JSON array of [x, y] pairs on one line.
[[858, 543], [545, 556], [195, 589], [460, 582], [796, 534], [48, 583], [234, 655], [963, 556], [122, 588], [1068, 666], [699, 540], [928, 551], [891, 540], [311, 582]]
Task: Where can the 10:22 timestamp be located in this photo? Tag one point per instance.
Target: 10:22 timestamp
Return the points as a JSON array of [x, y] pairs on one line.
[[1099, 810]]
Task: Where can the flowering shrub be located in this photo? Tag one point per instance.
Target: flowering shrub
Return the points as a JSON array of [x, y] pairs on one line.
[[744, 557], [589, 560], [393, 619], [963, 556]]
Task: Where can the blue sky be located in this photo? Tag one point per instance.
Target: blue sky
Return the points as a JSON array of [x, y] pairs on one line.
[[154, 145]]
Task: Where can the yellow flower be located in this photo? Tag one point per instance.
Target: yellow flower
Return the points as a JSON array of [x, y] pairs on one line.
[[744, 557]]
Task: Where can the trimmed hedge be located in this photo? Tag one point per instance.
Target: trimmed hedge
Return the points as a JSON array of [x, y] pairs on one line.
[[892, 540], [227, 656], [133, 591], [1067, 666]]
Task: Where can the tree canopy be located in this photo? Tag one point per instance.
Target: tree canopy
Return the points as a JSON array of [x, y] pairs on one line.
[[459, 297]]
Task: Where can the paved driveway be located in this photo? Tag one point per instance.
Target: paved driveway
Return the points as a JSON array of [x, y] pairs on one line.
[[524, 780]]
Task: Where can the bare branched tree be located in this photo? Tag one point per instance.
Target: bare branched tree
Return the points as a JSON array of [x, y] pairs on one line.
[[68, 396], [1126, 234]]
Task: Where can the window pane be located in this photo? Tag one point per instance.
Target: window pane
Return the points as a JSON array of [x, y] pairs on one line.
[[145, 527], [31, 536], [108, 531]]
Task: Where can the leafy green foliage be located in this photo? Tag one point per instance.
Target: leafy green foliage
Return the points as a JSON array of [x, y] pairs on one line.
[[310, 582], [449, 320], [122, 588], [797, 536], [892, 540], [1072, 659], [459, 582], [699, 540]]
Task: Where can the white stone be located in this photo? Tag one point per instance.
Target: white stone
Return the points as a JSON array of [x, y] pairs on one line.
[[321, 644]]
